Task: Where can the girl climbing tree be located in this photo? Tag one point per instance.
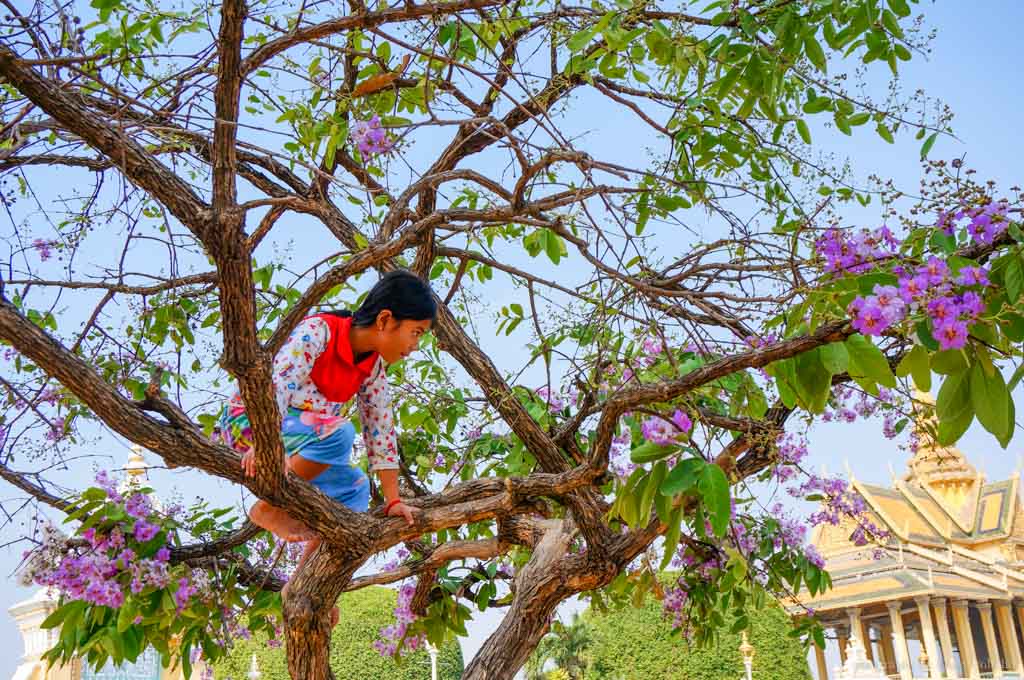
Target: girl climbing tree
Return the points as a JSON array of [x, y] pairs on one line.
[[627, 190]]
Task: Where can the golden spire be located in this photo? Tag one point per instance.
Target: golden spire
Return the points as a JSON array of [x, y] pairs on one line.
[[933, 463], [137, 467], [942, 470]]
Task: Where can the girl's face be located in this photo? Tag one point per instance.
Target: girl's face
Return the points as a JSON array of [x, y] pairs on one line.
[[398, 339]]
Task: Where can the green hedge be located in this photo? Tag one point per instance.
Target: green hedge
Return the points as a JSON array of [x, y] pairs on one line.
[[637, 644], [363, 613]]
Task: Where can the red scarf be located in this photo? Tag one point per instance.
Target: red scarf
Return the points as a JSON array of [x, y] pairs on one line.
[[335, 372]]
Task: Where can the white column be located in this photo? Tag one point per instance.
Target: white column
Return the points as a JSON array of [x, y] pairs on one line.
[[985, 610], [1008, 634], [928, 637], [945, 640], [843, 638], [899, 640], [964, 639], [819, 656]]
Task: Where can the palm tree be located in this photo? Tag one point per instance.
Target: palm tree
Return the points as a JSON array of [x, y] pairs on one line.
[[566, 646]]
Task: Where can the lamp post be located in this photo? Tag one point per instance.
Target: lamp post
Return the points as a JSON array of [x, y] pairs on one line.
[[254, 670], [432, 651], [747, 652]]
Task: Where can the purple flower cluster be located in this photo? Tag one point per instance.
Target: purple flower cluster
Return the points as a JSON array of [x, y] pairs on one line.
[[850, 404], [619, 461], [105, 567], [555, 403], [930, 289], [138, 506], [792, 530], [370, 138], [674, 605], [660, 431], [108, 485], [792, 449], [653, 348], [395, 636], [985, 223], [44, 248], [855, 252], [840, 503]]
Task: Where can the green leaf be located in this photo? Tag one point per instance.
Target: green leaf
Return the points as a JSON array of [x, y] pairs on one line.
[[867, 361], [1013, 275], [954, 408], [803, 130], [714, 490], [928, 144], [682, 477], [949, 362], [580, 39], [900, 8], [885, 133], [814, 52], [553, 246], [649, 452], [675, 529], [651, 491], [126, 615], [813, 381], [834, 357], [915, 364], [989, 398], [817, 105]]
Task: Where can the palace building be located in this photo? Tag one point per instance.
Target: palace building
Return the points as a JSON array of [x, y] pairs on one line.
[[944, 595]]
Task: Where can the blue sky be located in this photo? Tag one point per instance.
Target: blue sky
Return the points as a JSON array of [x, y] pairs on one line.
[[974, 68]]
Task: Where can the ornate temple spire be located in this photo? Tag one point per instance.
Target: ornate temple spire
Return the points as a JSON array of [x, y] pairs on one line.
[[942, 470]]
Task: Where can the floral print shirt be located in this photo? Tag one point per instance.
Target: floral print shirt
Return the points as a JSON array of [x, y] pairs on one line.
[[294, 387]]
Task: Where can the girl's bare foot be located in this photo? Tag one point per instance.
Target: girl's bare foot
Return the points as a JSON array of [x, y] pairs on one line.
[[280, 523]]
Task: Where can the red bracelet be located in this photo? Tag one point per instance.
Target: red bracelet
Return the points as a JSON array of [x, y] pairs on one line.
[[387, 508]]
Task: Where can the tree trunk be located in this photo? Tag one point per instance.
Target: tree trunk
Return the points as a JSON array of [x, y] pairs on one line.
[[308, 599], [540, 588]]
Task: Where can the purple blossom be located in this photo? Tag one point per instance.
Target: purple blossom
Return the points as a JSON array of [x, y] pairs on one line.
[[658, 431], [44, 248], [935, 269], [395, 635], [813, 556], [951, 335], [943, 310], [144, 531], [988, 221], [138, 506], [109, 485], [682, 421], [163, 554], [855, 252], [869, 318], [972, 304], [370, 138], [184, 592], [973, 276], [56, 431], [913, 288], [555, 403]]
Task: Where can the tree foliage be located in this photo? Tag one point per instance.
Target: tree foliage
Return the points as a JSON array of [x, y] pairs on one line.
[[635, 643], [633, 192], [363, 614]]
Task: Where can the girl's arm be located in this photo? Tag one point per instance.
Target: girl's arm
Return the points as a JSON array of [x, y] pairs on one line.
[[378, 421], [389, 487]]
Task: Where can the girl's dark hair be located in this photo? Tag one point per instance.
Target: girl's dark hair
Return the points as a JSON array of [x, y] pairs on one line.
[[404, 294]]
